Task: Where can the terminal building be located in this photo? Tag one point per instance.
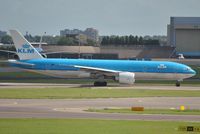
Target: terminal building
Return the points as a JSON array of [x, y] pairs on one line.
[[184, 34]]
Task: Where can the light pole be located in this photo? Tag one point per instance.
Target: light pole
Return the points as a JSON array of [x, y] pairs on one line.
[[79, 43], [40, 45]]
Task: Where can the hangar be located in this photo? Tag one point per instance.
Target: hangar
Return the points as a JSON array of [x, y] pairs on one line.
[[184, 34]]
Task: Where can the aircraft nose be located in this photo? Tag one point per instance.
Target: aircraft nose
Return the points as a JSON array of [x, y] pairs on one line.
[[193, 72]]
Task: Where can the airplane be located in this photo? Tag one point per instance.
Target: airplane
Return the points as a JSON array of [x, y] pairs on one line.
[[123, 71]]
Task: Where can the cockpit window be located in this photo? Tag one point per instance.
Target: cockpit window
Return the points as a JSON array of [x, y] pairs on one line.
[[187, 68]]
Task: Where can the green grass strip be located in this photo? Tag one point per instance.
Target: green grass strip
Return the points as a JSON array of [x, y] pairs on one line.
[[64, 93], [90, 126], [148, 111]]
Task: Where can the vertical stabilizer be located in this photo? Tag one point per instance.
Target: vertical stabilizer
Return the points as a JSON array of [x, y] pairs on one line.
[[24, 49]]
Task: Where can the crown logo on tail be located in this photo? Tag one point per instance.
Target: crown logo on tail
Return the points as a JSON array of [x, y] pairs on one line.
[[25, 45]]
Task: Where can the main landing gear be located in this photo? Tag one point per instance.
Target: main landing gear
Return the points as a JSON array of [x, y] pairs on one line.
[[100, 80], [178, 83], [100, 83]]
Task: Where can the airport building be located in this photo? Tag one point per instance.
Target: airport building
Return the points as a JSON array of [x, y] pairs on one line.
[[91, 33], [184, 34], [2, 33], [109, 52]]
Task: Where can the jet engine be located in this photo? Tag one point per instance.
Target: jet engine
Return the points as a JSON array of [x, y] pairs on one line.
[[126, 78]]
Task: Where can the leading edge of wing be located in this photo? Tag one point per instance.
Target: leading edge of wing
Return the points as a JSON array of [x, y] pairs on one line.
[[86, 68]]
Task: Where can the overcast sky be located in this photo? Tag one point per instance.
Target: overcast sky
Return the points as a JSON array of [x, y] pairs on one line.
[[110, 17]]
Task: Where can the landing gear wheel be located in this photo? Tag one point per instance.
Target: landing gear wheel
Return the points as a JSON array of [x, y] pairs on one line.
[[102, 84], [178, 83]]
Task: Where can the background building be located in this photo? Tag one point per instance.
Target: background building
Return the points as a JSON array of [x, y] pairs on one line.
[[91, 33], [70, 32], [2, 33], [184, 34]]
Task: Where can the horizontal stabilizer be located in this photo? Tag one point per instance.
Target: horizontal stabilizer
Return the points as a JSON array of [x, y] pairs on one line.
[[20, 63]]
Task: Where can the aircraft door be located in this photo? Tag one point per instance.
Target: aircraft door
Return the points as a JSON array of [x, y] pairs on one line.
[[175, 70]]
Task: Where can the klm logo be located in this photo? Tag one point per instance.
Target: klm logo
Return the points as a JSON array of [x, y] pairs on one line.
[[162, 66], [25, 49]]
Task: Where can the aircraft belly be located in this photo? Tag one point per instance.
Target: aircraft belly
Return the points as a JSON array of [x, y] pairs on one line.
[[161, 76]]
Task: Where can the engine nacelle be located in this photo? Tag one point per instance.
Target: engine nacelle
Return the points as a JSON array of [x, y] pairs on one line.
[[126, 78]]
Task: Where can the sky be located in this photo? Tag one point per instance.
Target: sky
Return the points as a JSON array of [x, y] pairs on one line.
[[110, 17]]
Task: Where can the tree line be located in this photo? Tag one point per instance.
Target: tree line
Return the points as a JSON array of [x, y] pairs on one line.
[[6, 39], [57, 40], [106, 40], [128, 40]]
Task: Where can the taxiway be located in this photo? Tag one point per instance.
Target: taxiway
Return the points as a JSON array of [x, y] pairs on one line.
[[75, 108]]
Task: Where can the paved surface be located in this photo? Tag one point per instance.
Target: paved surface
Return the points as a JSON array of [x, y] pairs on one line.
[[111, 86], [73, 108], [10, 69], [35, 85]]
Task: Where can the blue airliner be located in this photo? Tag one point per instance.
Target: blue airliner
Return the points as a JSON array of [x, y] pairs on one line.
[[123, 71]]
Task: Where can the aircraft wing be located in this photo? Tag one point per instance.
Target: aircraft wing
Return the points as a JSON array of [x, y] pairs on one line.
[[97, 70]]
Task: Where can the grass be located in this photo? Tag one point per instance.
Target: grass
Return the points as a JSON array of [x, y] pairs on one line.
[[90, 126], [20, 74], [189, 82], [197, 69], [147, 111], [64, 93]]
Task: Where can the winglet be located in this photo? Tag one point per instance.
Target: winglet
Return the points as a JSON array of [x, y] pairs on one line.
[[24, 49]]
